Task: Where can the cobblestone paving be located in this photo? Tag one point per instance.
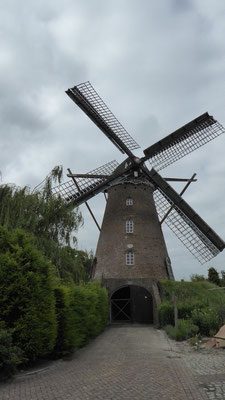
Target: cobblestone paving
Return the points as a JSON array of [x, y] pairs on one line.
[[125, 362], [207, 367]]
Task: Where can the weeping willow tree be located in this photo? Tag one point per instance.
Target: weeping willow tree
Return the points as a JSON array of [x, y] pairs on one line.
[[52, 223]]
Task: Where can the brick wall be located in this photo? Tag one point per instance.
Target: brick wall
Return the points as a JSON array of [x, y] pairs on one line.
[[146, 242]]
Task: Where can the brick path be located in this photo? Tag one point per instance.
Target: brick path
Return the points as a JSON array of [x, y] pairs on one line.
[[125, 362]]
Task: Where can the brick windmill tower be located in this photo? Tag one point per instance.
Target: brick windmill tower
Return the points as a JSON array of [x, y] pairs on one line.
[[131, 255]]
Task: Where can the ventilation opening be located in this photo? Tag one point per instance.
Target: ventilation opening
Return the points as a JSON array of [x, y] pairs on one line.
[[132, 304]]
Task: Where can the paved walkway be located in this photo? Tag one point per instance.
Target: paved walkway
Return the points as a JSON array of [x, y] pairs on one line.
[[125, 362]]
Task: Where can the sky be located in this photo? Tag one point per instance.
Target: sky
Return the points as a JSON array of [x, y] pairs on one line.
[[156, 64]]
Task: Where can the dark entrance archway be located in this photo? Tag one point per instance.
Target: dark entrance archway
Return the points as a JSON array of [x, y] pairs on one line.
[[132, 304]]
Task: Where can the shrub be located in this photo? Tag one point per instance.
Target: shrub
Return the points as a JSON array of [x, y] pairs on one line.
[[65, 326], [186, 329], [102, 309], [195, 300], [166, 313], [27, 304], [185, 309], [10, 356], [89, 311], [82, 313], [206, 319]]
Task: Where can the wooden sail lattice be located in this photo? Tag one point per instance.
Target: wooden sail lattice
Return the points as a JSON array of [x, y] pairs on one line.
[[185, 230], [68, 191]]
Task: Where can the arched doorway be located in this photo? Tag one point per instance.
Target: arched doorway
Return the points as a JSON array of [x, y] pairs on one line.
[[132, 304]]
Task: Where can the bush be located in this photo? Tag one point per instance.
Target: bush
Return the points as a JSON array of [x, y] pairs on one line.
[[89, 311], [65, 331], [82, 313], [206, 319], [10, 356], [195, 301], [27, 304], [185, 309], [186, 329], [102, 309], [166, 313]]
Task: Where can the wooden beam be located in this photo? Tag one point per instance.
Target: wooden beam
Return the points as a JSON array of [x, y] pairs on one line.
[[179, 180], [182, 192], [86, 203], [88, 176]]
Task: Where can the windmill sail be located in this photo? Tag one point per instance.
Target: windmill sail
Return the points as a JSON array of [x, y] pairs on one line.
[[184, 228], [189, 227], [183, 141], [70, 193], [85, 96]]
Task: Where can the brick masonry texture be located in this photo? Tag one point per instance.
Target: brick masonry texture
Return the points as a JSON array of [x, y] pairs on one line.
[[147, 241], [126, 362]]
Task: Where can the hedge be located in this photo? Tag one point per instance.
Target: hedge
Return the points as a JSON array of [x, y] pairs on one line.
[[42, 317], [27, 304], [82, 313]]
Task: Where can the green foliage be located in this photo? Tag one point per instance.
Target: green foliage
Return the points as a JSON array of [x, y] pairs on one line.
[[27, 304], [43, 215], [222, 280], [102, 309], [196, 302], [206, 319], [195, 340], [46, 217], [186, 329], [41, 315], [89, 304], [10, 356], [82, 313], [166, 313], [65, 322], [197, 278], [213, 276], [193, 292], [74, 265], [185, 308]]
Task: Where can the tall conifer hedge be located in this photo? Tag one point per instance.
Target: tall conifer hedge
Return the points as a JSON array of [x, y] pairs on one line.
[[27, 303]]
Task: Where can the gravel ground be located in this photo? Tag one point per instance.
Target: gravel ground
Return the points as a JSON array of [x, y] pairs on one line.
[[206, 365]]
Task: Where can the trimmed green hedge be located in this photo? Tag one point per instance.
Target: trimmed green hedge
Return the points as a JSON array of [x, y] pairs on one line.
[[40, 317], [27, 304], [82, 313]]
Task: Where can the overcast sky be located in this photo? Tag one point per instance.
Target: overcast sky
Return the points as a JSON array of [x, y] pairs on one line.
[[157, 65]]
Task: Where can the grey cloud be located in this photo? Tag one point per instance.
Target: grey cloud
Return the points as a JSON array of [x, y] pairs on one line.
[[156, 64]]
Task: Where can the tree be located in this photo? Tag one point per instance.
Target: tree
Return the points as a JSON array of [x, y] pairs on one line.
[[222, 280], [213, 276], [49, 219], [197, 278]]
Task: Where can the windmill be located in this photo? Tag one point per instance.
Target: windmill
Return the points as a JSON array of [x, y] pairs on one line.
[[131, 254]]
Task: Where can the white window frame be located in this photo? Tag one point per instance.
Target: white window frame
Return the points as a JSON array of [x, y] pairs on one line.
[[129, 226], [129, 201], [129, 258]]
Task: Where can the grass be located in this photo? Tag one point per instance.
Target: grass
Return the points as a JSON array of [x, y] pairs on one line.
[[197, 306]]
